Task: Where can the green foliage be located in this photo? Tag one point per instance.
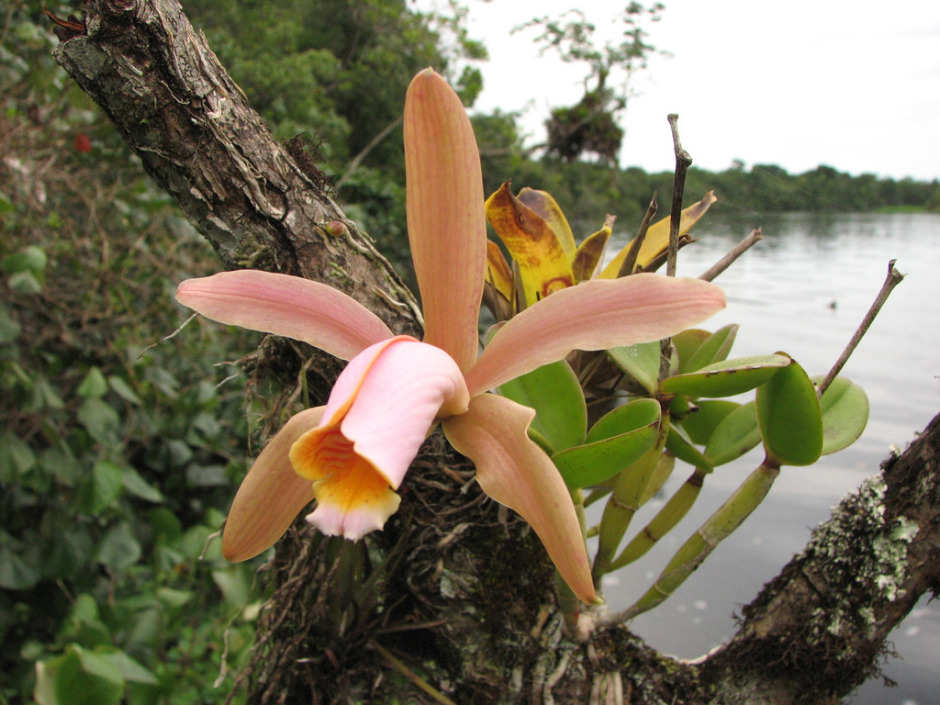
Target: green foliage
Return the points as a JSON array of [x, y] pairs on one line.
[[118, 452]]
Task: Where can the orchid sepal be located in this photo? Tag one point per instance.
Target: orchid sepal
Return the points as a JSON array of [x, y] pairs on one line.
[[287, 306], [514, 471], [594, 315]]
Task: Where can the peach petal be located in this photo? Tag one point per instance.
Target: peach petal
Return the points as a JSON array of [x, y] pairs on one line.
[[516, 472], [288, 306], [594, 315], [271, 495], [446, 225]]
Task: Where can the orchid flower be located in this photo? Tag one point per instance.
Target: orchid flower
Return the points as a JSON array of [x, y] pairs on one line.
[[352, 454], [535, 231]]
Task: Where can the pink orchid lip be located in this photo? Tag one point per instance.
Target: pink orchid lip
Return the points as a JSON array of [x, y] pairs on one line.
[[388, 399]]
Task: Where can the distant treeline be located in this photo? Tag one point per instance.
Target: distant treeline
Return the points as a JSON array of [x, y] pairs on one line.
[[588, 190]]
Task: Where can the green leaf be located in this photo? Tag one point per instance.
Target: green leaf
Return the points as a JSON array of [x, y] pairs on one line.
[[686, 343], [101, 421], [641, 362], [702, 420], [614, 442], [680, 445], [790, 417], [555, 394], [726, 378], [86, 678], [234, 584], [103, 487], [594, 463], [735, 435], [139, 487], [30, 259], [131, 670], [635, 414], [118, 549], [844, 414], [9, 328], [93, 386], [16, 457], [16, 573], [124, 390], [713, 349], [24, 283]]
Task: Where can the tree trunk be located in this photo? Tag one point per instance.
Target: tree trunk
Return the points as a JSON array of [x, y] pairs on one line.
[[454, 597]]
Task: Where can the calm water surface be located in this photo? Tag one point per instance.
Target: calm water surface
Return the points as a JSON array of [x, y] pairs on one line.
[[803, 290]]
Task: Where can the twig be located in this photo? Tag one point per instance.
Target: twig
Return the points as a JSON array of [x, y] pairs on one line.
[[735, 252], [167, 337], [683, 162], [373, 143], [629, 262], [409, 674], [893, 278]]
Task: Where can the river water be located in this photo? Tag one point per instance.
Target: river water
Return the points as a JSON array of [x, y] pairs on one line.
[[803, 290]]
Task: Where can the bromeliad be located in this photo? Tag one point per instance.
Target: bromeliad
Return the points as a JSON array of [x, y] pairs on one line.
[[352, 454]]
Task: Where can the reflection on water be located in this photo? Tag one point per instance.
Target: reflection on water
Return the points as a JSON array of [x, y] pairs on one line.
[[803, 290]]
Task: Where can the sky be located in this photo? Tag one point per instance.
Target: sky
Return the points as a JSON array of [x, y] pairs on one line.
[[851, 84]]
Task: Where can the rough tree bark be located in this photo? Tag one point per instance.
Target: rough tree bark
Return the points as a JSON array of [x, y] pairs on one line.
[[452, 588]]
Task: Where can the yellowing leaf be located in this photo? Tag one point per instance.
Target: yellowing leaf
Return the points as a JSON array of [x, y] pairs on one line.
[[545, 266], [591, 252], [497, 270], [548, 209], [657, 237]]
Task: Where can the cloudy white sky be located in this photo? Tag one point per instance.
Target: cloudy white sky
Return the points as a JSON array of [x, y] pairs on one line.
[[852, 84]]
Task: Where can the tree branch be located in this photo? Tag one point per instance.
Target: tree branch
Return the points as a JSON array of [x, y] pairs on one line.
[[197, 136], [474, 584]]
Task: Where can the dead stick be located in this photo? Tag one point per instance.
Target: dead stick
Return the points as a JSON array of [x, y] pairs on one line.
[[732, 254], [683, 162], [629, 262], [892, 280]]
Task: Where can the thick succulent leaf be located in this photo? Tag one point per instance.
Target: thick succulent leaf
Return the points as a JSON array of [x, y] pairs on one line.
[[704, 418], [516, 472], [726, 378], [617, 439], [555, 394], [657, 237], [735, 435], [790, 417], [446, 224], [686, 343], [633, 415], [714, 348], [548, 209], [544, 264], [680, 445], [590, 253], [844, 413], [595, 463], [663, 470], [641, 362]]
